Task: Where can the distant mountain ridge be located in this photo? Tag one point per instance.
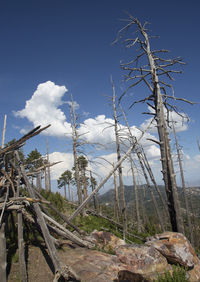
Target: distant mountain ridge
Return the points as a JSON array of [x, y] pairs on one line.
[[144, 196]]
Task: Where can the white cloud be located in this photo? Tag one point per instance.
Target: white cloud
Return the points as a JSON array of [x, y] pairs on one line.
[[43, 109], [180, 121], [67, 162]]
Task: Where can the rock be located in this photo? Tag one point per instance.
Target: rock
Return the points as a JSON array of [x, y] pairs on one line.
[[105, 240], [174, 247], [142, 263], [91, 265]]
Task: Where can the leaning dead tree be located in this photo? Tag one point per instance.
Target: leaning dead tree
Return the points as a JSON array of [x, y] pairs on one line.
[[121, 184], [183, 186], [30, 209], [150, 67]]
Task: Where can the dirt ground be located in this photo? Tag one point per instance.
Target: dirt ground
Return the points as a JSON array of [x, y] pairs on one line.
[[38, 265]]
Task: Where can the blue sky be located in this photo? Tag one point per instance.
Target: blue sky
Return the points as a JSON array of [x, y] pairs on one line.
[[68, 43]]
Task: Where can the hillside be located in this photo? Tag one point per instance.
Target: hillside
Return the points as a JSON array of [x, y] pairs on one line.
[[193, 194]]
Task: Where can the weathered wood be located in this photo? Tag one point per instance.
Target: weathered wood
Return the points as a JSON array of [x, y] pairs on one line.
[[183, 187], [151, 192], [4, 132], [121, 184], [69, 234], [21, 141], [3, 252], [64, 218], [139, 225], [22, 262], [47, 237]]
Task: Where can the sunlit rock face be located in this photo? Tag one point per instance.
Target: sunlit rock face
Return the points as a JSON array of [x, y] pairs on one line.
[[177, 249]]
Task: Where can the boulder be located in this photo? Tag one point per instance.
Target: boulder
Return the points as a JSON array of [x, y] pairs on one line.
[[142, 263], [174, 247], [105, 240]]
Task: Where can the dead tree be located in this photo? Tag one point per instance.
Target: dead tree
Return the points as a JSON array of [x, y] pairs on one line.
[[75, 146], [115, 167], [121, 184], [183, 186], [117, 209], [139, 225], [147, 67]]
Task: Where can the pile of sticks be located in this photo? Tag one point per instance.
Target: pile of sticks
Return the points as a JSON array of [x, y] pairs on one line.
[[30, 209]]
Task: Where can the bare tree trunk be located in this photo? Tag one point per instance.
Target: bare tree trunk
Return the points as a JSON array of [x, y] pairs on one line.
[[69, 192], [4, 131], [95, 200], [183, 187], [151, 192], [75, 139], [149, 74], [46, 181], [38, 181], [48, 168], [139, 229], [47, 237], [148, 168], [117, 209], [3, 252], [121, 184], [22, 262], [85, 192]]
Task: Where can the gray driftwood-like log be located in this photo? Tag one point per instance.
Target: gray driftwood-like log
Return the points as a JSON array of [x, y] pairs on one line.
[[3, 261], [64, 218]]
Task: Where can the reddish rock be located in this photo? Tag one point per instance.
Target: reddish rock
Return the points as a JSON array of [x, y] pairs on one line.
[[105, 240], [175, 247], [142, 262]]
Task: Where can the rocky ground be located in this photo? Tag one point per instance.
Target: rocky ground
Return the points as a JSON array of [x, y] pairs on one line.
[[118, 261]]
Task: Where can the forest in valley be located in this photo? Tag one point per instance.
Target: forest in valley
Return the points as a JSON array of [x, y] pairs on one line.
[[132, 212]]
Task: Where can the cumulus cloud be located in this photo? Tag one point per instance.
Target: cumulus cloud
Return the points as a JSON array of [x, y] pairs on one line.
[[43, 108], [67, 162], [100, 130]]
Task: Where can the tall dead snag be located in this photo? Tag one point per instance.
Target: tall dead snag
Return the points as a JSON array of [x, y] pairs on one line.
[[147, 67], [139, 225], [121, 184], [75, 145], [151, 192], [117, 209], [183, 186], [48, 169]]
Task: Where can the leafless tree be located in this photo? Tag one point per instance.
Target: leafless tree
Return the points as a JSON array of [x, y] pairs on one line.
[[121, 184], [183, 186], [75, 137], [148, 67]]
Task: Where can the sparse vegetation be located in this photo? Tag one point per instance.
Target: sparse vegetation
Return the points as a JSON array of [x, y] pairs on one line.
[[178, 275]]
